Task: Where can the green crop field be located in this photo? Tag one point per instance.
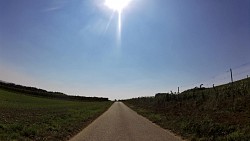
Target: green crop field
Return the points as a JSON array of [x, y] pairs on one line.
[[219, 113], [24, 117]]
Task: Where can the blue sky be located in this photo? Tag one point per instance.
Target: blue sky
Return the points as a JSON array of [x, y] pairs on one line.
[[65, 45]]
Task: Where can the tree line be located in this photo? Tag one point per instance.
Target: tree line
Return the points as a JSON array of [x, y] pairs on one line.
[[48, 94]]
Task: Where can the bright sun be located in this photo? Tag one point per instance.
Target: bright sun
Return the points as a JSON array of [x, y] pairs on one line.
[[117, 5]]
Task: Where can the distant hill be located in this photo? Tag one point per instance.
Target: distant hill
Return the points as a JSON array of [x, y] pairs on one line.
[[43, 93]]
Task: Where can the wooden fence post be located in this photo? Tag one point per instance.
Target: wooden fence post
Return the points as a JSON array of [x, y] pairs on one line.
[[231, 75]]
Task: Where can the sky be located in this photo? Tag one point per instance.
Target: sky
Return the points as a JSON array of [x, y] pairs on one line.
[[73, 46]]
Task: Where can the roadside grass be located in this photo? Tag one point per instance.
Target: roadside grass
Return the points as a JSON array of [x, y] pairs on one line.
[[25, 117], [221, 113]]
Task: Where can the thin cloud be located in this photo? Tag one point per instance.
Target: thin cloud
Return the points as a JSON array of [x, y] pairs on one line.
[[52, 9], [55, 5]]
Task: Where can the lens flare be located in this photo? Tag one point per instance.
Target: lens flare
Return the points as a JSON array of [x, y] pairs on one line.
[[118, 6]]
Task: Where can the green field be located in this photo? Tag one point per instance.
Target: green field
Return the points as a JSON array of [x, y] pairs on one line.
[[219, 113], [24, 117]]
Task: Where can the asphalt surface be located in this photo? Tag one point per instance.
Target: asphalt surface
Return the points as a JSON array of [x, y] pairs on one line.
[[120, 123]]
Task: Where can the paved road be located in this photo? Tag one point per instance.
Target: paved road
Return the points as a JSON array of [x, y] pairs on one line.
[[120, 123]]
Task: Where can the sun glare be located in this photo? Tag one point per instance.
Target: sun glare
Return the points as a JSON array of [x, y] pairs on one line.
[[117, 5]]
